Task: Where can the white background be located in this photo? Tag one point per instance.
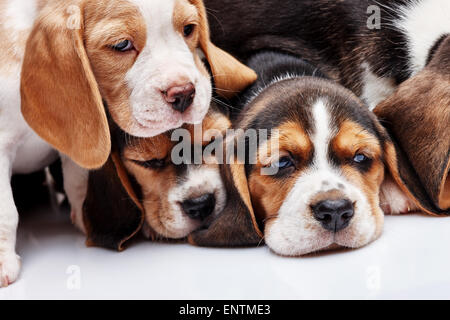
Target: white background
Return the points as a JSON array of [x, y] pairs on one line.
[[410, 260]]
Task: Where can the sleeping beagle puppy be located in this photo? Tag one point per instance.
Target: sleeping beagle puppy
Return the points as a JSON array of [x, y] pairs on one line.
[[150, 184], [64, 61], [327, 153], [379, 49]]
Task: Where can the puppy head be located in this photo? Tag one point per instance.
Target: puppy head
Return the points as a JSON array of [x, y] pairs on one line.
[[178, 198], [174, 198], [143, 59], [417, 117], [316, 174]]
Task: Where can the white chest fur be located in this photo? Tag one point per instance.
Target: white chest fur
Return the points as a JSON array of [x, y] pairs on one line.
[[25, 151]]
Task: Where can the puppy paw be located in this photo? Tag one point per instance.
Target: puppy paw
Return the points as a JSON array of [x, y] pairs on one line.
[[9, 269], [393, 201]]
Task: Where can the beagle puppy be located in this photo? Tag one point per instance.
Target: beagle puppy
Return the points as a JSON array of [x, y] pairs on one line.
[[326, 154], [379, 49], [65, 61], [150, 184]]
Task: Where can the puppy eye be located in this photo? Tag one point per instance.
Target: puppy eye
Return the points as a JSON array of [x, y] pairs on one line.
[[360, 159], [188, 30], [283, 163], [152, 164], [123, 46]]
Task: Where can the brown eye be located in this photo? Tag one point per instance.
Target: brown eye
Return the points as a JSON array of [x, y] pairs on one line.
[[188, 30], [123, 46]]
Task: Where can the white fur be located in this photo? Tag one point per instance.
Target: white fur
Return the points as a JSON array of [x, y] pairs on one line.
[[375, 89], [19, 16], [295, 231], [423, 22], [393, 200], [199, 180], [164, 62], [21, 150]]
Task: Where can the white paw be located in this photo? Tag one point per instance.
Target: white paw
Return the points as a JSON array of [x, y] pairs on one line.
[[148, 233], [9, 269], [393, 200]]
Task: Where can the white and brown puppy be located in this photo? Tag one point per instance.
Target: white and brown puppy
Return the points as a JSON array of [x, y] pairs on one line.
[[328, 154], [66, 60], [157, 185], [371, 47]]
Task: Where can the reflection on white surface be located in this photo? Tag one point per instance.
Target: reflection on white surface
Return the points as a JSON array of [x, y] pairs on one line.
[[410, 260]]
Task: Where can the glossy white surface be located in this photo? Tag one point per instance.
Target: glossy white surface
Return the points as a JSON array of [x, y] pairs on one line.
[[411, 260]]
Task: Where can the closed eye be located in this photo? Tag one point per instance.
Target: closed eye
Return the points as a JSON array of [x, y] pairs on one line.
[[153, 164]]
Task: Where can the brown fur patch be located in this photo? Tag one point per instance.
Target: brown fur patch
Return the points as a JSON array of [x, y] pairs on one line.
[[353, 139], [267, 192]]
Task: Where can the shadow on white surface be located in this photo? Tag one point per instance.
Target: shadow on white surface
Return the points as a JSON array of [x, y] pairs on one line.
[[410, 260]]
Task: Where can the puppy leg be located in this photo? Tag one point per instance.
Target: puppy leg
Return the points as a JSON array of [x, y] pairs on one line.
[[9, 218], [75, 185], [393, 200]]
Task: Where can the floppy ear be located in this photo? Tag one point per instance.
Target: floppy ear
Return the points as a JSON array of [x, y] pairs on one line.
[[60, 97], [230, 76], [418, 155], [236, 225], [112, 212], [417, 117]]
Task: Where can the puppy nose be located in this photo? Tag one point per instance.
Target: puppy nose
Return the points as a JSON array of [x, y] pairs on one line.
[[334, 215], [180, 97], [199, 208]]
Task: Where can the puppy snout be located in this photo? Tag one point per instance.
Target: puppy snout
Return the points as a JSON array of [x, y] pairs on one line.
[[180, 96], [199, 208], [334, 215]]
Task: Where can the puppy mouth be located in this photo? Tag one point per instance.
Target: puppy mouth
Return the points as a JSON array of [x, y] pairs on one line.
[[146, 128]]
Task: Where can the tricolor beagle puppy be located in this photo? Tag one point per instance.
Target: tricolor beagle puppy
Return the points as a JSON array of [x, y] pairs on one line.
[[154, 185], [371, 47], [315, 180], [65, 60]]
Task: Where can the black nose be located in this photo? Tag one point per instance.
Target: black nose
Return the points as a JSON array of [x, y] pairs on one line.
[[180, 97], [334, 215], [199, 208]]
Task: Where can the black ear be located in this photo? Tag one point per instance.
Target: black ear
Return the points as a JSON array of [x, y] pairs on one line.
[[112, 212], [236, 225]]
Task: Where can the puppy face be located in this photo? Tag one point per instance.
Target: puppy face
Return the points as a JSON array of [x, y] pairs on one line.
[[145, 56], [177, 198], [329, 164], [138, 59]]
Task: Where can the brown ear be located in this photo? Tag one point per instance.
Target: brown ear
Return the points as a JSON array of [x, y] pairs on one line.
[[236, 225], [417, 118], [60, 97], [112, 212], [230, 76]]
